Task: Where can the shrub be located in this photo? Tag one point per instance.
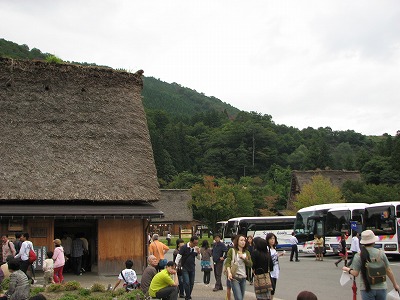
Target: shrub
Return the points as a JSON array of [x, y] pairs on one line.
[[84, 292], [36, 290], [5, 284], [98, 287], [69, 297], [55, 288], [72, 285], [54, 59], [132, 295]]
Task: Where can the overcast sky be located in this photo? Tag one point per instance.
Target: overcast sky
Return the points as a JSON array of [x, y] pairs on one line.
[[306, 63]]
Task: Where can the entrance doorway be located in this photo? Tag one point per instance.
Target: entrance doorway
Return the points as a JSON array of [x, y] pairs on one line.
[[80, 228]]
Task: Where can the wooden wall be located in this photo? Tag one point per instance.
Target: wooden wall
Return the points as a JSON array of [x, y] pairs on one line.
[[120, 240], [41, 226]]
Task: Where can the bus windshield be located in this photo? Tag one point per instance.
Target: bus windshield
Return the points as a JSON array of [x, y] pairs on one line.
[[338, 223], [301, 225], [380, 219], [231, 229]]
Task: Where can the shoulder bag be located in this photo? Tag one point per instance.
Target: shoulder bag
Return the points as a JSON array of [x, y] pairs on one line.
[[32, 256], [234, 265], [262, 283]]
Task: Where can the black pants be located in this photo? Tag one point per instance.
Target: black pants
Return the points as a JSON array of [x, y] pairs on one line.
[[206, 277], [23, 266], [218, 273], [168, 293], [294, 251], [76, 263]]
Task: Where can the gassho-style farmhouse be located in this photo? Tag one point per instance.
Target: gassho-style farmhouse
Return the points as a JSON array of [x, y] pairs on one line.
[[75, 156]]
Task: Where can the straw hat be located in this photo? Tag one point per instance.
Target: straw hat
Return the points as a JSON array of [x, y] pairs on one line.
[[57, 242], [368, 237]]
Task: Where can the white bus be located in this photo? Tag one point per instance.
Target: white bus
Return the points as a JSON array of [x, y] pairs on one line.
[[310, 221], [220, 228], [282, 227], [347, 220], [384, 220]]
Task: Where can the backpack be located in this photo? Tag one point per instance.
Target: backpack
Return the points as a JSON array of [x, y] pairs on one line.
[[376, 270], [130, 286]]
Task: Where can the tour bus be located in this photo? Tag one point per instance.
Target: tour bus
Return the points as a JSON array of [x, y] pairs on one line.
[[220, 228], [384, 220], [281, 226], [310, 221], [346, 219]]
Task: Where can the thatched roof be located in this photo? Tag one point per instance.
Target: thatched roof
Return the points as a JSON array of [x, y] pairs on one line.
[[69, 132], [336, 177], [175, 205]]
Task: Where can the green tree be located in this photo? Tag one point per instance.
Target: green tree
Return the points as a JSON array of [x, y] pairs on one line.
[[214, 201], [319, 191]]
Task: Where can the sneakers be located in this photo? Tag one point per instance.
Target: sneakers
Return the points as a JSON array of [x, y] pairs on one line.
[[34, 281]]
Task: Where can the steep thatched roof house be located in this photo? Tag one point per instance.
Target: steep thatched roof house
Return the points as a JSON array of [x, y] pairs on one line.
[[75, 156], [336, 177], [177, 212]]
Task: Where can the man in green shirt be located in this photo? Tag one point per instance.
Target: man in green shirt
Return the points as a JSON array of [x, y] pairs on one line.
[[164, 284]]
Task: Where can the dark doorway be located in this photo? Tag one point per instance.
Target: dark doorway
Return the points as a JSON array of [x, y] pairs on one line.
[[87, 228]]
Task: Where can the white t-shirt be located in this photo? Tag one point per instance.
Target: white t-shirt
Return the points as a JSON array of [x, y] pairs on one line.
[[275, 261], [129, 274]]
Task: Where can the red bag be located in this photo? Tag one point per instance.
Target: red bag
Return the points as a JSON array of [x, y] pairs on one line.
[[32, 256]]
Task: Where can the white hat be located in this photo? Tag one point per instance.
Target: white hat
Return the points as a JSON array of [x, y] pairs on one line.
[[368, 237]]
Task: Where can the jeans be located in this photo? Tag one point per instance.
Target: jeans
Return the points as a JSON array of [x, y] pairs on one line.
[[373, 294], [181, 290], [188, 282], [238, 288]]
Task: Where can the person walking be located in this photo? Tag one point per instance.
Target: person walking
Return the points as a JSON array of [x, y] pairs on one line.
[[23, 255], [205, 262], [295, 251], [186, 259], [218, 253], [272, 241], [250, 247], [343, 251], [240, 257], [262, 264], [369, 253], [158, 249], [8, 247], [179, 244], [76, 255], [355, 246], [59, 261]]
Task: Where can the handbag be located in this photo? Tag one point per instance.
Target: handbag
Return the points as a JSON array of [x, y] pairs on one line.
[[32, 256], [262, 283], [234, 265], [162, 263]]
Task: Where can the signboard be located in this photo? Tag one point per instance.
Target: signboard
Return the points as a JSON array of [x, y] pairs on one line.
[[41, 256], [186, 233]]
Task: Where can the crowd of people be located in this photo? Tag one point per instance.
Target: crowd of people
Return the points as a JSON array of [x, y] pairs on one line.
[[255, 260], [19, 256]]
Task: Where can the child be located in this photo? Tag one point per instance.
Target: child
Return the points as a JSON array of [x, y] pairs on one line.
[[48, 268], [128, 276]]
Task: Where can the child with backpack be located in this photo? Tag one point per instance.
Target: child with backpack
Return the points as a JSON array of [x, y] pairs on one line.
[[128, 276]]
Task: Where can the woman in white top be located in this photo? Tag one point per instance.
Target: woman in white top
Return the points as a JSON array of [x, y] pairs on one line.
[[272, 243], [239, 256]]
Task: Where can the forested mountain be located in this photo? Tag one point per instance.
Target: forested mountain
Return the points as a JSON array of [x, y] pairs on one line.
[[201, 140]]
